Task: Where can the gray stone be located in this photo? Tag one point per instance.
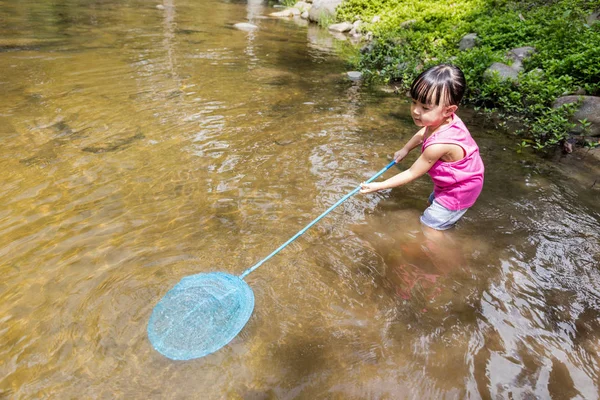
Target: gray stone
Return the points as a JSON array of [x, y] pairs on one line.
[[589, 109], [302, 6], [468, 42], [355, 75], [401, 67], [408, 24], [323, 9], [538, 72], [290, 12], [594, 18], [341, 27], [518, 55], [505, 73], [338, 35], [304, 15], [368, 48], [245, 26], [281, 14]]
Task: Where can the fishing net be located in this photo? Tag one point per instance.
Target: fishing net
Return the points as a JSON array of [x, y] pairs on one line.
[[204, 312], [201, 314]]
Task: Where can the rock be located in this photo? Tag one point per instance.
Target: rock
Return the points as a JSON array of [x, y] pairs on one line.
[[304, 15], [290, 12], [518, 55], [245, 26], [401, 67], [468, 42], [368, 48], [594, 18], [302, 6], [284, 13], [338, 35], [505, 73], [341, 27], [375, 19], [323, 9], [408, 24], [355, 31], [355, 75], [160, 7], [589, 109], [271, 76], [537, 72]]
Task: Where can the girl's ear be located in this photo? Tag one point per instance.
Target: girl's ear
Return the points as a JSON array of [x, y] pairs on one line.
[[449, 110]]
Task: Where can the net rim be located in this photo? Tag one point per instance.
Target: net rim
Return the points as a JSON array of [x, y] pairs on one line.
[[245, 298]]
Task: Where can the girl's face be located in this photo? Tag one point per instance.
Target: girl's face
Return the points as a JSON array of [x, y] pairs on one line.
[[430, 115]]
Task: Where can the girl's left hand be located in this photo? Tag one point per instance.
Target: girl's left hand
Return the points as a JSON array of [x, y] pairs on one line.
[[369, 187]]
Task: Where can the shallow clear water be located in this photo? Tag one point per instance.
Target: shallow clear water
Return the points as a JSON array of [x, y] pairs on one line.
[[139, 146]]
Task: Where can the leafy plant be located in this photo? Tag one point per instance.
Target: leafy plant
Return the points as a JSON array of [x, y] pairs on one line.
[[567, 57]]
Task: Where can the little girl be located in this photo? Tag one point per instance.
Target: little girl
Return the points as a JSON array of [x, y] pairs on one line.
[[448, 153]]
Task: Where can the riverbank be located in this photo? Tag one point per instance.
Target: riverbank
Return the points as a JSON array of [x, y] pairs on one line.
[[533, 62]]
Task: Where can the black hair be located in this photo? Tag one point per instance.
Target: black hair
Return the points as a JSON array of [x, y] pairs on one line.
[[443, 83]]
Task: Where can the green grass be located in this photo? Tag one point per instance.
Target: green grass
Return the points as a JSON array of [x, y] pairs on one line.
[[568, 52]]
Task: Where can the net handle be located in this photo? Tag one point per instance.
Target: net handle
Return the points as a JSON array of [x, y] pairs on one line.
[[307, 227]]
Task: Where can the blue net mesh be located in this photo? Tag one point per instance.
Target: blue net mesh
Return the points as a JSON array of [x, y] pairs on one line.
[[201, 314]]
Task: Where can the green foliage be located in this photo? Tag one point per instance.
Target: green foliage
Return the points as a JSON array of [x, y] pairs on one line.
[[552, 126], [567, 57], [286, 3], [325, 20]]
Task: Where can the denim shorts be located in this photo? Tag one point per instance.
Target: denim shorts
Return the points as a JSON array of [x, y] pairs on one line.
[[438, 217]]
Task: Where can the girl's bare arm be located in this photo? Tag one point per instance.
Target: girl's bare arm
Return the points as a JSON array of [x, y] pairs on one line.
[[415, 141], [419, 168]]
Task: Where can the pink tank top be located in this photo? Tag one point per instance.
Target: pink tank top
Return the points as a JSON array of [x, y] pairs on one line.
[[456, 184]]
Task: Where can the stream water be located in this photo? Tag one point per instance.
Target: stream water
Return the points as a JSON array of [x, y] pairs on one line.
[[140, 145]]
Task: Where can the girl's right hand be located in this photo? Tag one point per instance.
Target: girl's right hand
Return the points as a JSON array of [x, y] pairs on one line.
[[369, 187], [399, 155]]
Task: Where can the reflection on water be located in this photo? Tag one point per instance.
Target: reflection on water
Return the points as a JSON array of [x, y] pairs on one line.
[[141, 145]]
